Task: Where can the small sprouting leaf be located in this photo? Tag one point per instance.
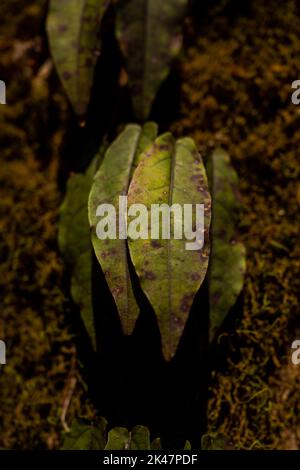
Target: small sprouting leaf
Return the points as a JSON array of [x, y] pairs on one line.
[[170, 274], [75, 244], [86, 437], [140, 438], [156, 444], [118, 439], [73, 29], [156, 28], [110, 182], [228, 256], [187, 446]]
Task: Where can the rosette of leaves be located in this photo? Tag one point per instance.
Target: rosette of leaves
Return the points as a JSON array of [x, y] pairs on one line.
[[84, 436], [155, 170], [164, 172]]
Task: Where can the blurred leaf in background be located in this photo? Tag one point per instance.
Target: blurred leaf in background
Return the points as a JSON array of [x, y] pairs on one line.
[[150, 36], [73, 28], [228, 256]]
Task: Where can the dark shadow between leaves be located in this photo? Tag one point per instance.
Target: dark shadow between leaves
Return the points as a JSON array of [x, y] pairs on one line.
[[132, 383]]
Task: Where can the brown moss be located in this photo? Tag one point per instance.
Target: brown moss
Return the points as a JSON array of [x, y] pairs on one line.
[[236, 92]]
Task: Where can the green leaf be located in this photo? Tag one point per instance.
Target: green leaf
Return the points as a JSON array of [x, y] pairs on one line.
[[228, 256], [93, 437], [118, 439], [86, 437], [121, 439], [75, 244], [73, 29], [187, 446], [110, 182], [140, 438], [170, 173], [147, 137], [149, 33]]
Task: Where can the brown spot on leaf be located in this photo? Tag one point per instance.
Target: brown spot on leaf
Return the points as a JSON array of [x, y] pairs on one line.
[[67, 75], [186, 302], [149, 275], [195, 276], [155, 244], [62, 28]]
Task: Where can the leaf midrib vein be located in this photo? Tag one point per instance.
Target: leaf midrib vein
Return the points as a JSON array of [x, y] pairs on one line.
[[170, 198]]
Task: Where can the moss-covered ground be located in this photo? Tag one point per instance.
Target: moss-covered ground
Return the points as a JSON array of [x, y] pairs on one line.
[[236, 75], [236, 92], [41, 370]]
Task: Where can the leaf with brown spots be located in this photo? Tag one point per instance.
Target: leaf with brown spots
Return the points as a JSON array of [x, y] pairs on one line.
[[110, 182], [73, 30], [228, 256], [170, 172], [150, 36]]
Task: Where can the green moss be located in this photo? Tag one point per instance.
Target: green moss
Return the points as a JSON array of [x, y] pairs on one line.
[[236, 92], [41, 354]]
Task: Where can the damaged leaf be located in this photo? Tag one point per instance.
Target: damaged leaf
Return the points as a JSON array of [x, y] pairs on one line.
[[73, 30], [156, 28], [228, 256], [110, 182], [170, 172]]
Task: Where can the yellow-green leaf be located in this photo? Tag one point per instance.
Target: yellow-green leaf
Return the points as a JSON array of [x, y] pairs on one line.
[[86, 437], [110, 182], [118, 439], [170, 172]]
